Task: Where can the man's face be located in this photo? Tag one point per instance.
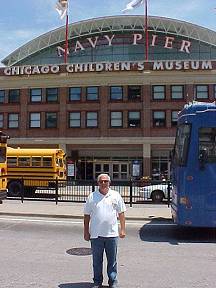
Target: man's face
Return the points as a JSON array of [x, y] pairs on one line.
[[104, 184]]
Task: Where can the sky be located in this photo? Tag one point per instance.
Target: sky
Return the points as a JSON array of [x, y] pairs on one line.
[[23, 20]]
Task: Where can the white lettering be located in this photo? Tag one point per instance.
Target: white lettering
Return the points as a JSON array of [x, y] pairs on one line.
[[91, 68], [140, 66], [169, 65], [116, 66], [206, 65], [137, 37], [178, 65], [55, 69], [70, 68], [22, 70], [158, 65], [108, 66], [185, 46], [99, 66], [7, 71], [186, 65], [169, 42], [125, 66], [35, 70], [15, 70], [45, 69], [109, 39], [93, 44], [154, 38], [78, 46], [27, 70], [195, 65]]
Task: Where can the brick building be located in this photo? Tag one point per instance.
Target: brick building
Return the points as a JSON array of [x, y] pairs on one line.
[[109, 109]]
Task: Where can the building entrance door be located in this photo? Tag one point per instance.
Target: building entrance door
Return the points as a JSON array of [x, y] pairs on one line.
[[116, 170]]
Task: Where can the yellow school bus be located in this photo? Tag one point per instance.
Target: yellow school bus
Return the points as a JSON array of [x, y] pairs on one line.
[[29, 168], [3, 166]]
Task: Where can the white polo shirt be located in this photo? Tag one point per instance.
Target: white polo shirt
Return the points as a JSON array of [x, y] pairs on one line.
[[103, 211]]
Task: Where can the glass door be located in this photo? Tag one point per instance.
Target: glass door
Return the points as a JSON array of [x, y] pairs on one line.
[[120, 171], [101, 168]]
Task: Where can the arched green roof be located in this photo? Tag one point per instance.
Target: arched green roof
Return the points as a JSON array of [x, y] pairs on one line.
[[111, 24]]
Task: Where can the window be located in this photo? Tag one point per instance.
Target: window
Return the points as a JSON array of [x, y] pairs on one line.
[[202, 92], [158, 92], [35, 121], [2, 96], [174, 118], [1, 120], [24, 161], [182, 144], [74, 119], [52, 94], [14, 96], [13, 120], [133, 119], [177, 92], [51, 120], [36, 95], [12, 161], [36, 161], [134, 92], [92, 119], [116, 93], [75, 94], [207, 142], [159, 119], [47, 161], [116, 119], [92, 93]]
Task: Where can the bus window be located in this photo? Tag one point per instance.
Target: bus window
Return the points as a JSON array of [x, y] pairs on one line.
[[47, 162], [207, 142], [12, 161], [36, 161], [2, 154], [182, 144], [23, 161]]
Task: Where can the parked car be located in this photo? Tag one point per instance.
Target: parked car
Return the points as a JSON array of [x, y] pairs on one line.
[[156, 192]]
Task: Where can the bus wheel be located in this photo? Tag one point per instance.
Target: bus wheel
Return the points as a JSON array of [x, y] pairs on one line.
[[157, 196], [14, 189]]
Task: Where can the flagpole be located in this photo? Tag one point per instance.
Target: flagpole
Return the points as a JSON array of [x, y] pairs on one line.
[[146, 29], [66, 36]]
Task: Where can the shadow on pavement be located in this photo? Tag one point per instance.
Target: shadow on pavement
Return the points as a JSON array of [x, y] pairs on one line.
[[163, 230], [78, 285]]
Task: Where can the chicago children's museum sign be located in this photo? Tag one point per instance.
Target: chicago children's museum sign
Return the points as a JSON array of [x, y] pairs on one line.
[[108, 67]]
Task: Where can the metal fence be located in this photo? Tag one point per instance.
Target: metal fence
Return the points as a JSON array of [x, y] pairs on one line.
[[133, 192]]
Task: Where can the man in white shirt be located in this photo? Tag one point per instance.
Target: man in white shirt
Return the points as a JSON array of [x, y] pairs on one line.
[[101, 227]]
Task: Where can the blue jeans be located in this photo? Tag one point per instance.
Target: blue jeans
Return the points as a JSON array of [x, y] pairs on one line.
[[109, 245]]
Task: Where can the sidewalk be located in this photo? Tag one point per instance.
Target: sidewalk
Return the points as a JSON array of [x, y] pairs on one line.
[[75, 210]]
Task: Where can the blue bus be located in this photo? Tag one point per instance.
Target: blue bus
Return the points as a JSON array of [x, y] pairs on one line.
[[193, 166]]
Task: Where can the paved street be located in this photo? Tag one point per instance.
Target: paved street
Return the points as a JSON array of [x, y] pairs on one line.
[[51, 253]]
